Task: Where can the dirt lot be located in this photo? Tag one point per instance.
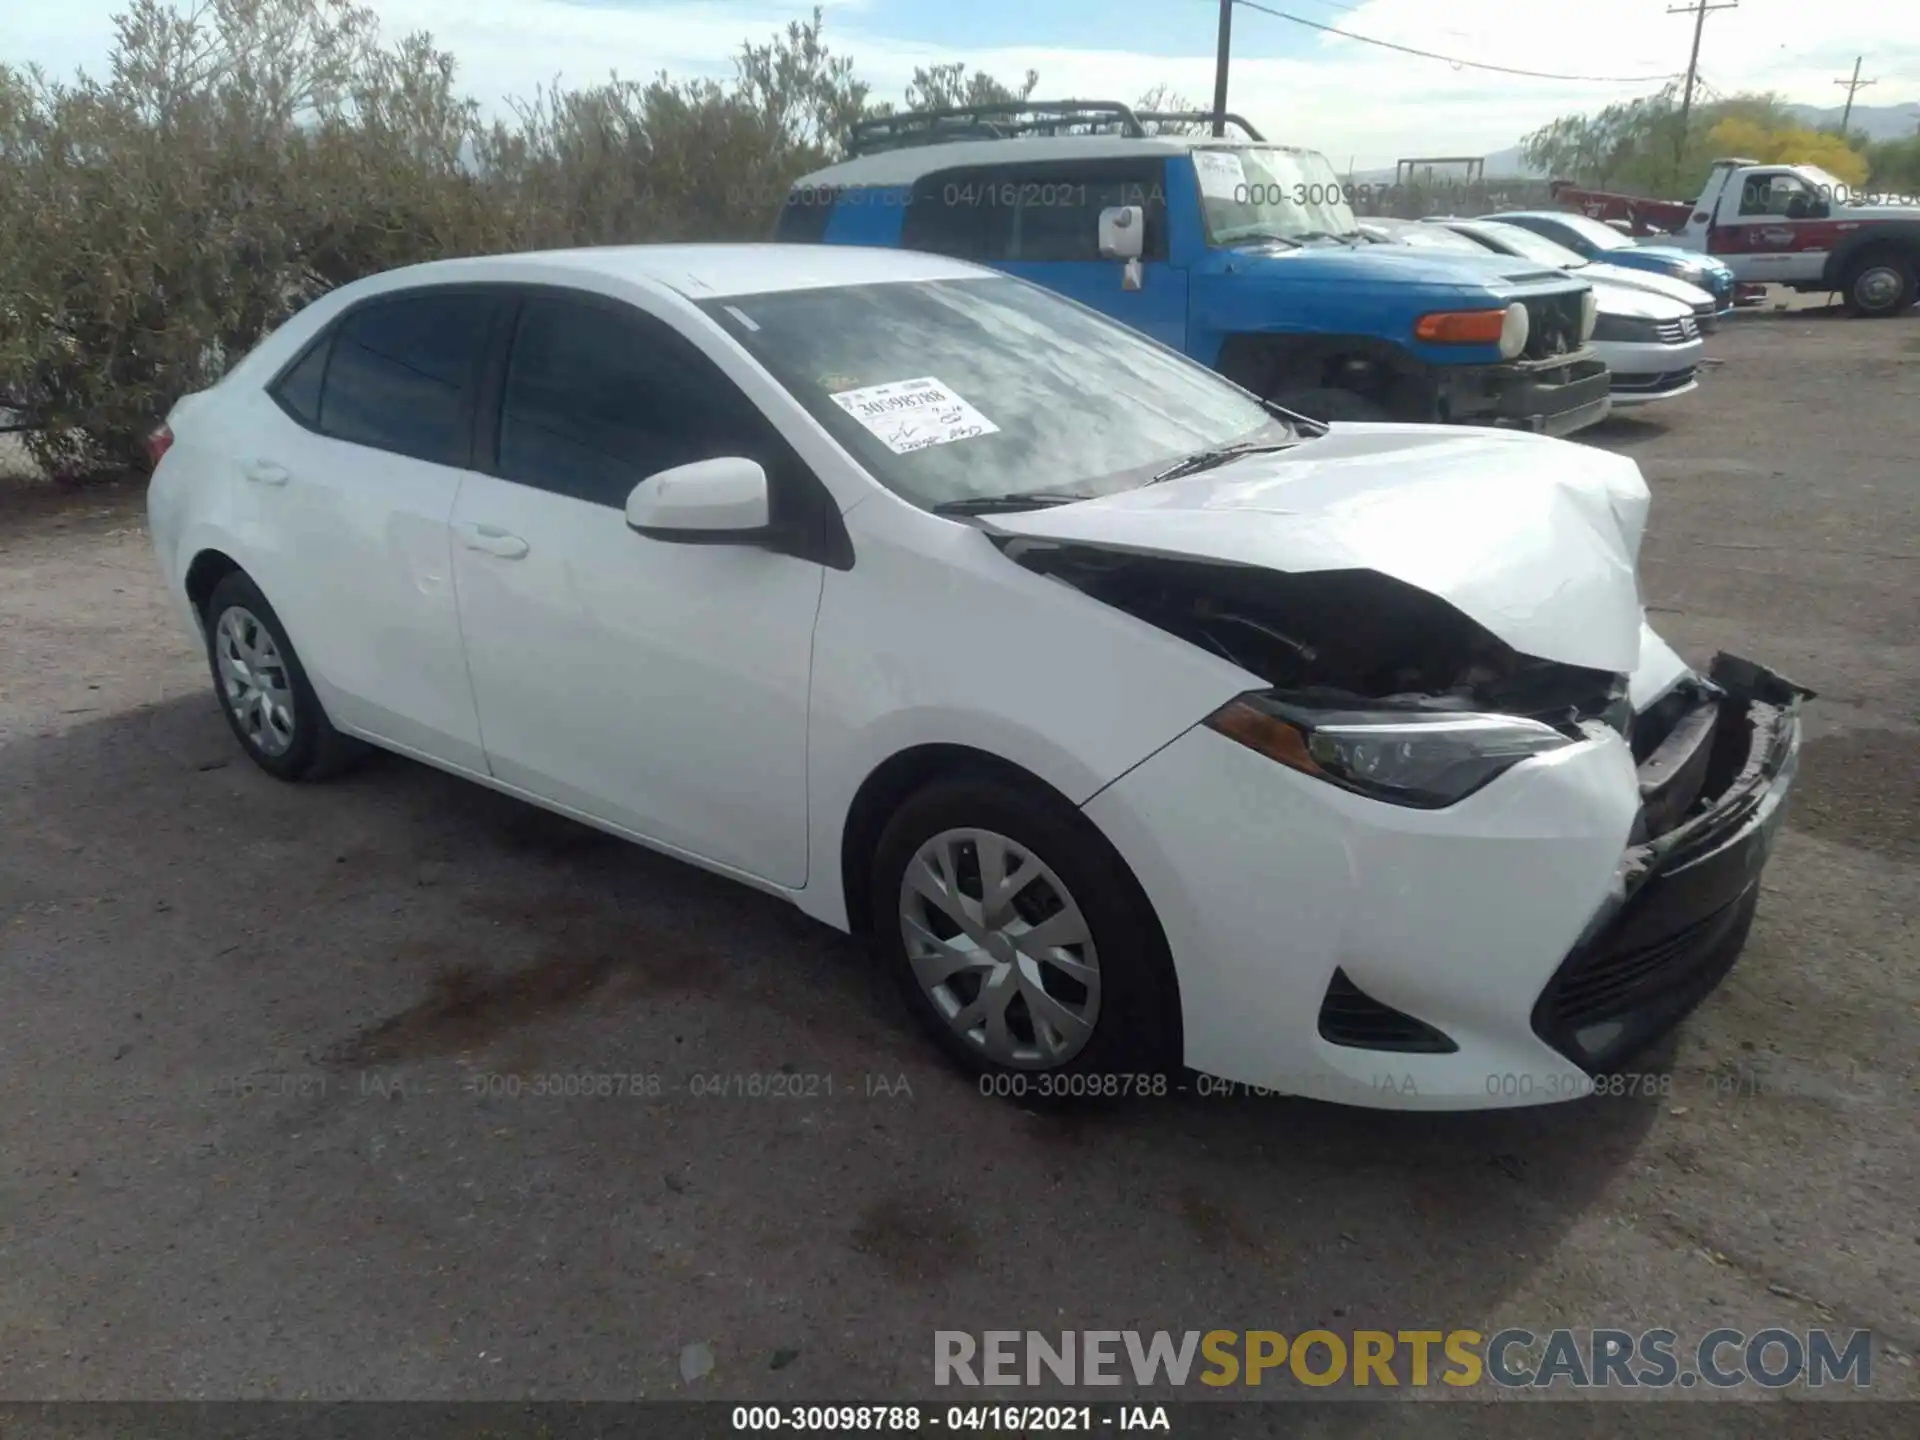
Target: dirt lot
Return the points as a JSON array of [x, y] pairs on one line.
[[248, 1031]]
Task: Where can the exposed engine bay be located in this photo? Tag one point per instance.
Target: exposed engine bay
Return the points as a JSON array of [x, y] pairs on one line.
[[1336, 636]]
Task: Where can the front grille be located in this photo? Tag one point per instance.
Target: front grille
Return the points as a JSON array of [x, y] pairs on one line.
[[1352, 1018], [1612, 984], [1676, 332], [1553, 325]]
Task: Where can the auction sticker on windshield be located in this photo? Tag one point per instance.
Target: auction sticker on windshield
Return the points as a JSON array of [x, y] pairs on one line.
[[909, 415], [1222, 176]]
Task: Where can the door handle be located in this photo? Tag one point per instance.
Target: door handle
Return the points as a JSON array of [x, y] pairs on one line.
[[265, 472], [494, 541]]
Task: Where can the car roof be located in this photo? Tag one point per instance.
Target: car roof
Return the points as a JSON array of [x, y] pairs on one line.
[[908, 163], [697, 272]]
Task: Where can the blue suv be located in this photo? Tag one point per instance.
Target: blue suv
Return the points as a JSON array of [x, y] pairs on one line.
[[1241, 254]]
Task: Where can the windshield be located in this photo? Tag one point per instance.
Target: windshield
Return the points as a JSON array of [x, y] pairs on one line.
[[1252, 192], [1597, 232], [1435, 237], [964, 389], [1516, 240]]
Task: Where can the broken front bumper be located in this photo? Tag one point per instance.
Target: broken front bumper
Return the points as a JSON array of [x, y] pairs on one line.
[[1549, 397], [1713, 792]]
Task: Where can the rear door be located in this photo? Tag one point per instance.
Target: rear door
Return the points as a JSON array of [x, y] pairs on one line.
[[657, 686], [1042, 223], [346, 493]]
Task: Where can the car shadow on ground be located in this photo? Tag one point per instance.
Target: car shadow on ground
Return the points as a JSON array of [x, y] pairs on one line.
[[406, 918]]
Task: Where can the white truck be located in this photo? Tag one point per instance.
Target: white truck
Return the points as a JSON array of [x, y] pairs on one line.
[[1792, 225]]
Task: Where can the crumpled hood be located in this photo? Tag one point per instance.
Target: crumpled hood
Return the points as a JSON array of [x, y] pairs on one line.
[[1534, 538]]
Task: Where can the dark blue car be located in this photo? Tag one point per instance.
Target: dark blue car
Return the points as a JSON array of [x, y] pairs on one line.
[[1599, 241]]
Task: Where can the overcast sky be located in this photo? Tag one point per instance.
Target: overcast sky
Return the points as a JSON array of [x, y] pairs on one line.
[[1352, 100]]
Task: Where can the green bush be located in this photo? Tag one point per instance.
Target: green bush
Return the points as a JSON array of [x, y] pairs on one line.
[[242, 159]]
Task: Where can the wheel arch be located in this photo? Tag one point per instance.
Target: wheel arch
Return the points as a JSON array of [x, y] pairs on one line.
[[889, 783], [1899, 236], [204, 573]]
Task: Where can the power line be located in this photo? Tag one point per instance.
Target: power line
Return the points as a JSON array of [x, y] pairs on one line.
[[1856, 83], [1457, 64]]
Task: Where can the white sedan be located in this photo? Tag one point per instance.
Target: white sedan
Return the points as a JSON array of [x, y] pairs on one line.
[[1136, 723]]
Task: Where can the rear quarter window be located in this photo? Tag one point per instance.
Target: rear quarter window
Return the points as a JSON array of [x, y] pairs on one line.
[[803, 219]]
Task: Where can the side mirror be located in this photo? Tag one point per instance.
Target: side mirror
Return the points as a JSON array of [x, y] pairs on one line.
[[1123, 232], [710, 502]]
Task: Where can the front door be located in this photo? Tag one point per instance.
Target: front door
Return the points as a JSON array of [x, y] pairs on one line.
[[657, 686], [1773, 227]]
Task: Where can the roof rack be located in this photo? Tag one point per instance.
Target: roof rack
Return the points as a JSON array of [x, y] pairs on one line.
[[998, 120], [1196, 117]]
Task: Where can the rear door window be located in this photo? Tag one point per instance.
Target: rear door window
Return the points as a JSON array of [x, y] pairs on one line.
[[403, 374]]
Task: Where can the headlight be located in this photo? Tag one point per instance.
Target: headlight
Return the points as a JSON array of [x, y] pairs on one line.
[[1589, 315], [1506, 328], [1425, 759]]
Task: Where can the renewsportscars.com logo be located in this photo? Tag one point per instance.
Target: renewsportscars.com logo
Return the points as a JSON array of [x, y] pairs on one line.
[[1598, 1359]]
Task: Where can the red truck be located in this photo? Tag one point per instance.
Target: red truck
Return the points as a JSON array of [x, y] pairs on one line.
[[1792, 225]]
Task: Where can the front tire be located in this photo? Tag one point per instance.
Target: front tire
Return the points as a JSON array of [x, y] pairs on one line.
[[1019, 938], [1881, 283], [264, 692]]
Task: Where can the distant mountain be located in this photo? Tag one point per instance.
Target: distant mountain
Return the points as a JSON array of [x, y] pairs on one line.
[[1880, 122]]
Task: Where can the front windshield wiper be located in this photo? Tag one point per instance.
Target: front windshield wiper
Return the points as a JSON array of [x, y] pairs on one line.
[[1327, 235], [1220, 455], [1005, 504], [1241, 237]]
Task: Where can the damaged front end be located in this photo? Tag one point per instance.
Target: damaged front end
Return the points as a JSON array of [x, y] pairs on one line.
[[1716, 758], [1376, 685], [1384, 689]]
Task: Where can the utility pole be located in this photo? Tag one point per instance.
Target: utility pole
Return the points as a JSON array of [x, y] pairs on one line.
[[1699, 11], [1220, 69], [1856, 83]]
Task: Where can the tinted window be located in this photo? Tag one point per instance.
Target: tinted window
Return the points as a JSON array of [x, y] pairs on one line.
[[967, 214], [598, 397], [298, 388], [803, 219], [1058, 217], [402, 374], [1043, 212]]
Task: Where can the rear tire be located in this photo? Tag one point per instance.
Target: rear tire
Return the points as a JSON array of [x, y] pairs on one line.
[[263, 690], [1090, 1010], [1326, 405], [1881, 283]]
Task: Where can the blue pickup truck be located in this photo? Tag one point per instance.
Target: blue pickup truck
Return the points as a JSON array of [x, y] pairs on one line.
[[1241, 254]]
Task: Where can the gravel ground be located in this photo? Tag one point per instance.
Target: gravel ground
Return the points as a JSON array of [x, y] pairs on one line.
[[255, 1039]]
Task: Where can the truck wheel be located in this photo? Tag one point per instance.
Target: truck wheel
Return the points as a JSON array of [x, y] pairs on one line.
[[1325, 405], [1880, 283]]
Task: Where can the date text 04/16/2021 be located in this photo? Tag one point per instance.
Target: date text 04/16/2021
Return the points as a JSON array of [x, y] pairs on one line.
[[988, 1419]]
